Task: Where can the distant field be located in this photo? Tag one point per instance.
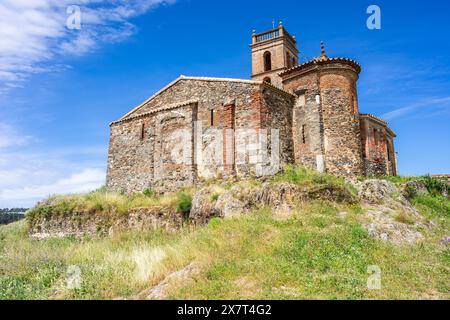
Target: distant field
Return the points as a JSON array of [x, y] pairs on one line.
[[11, 215]]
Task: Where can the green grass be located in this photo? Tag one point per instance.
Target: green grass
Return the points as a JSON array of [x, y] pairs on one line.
[[434, 206], [314, 253], [320, 250], [304, 177], [395, 179], [102, 201]]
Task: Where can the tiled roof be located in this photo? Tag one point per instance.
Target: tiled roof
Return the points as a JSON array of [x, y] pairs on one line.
[[322, 60]]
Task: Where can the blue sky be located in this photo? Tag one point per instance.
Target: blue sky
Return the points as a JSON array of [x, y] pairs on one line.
[[60, 88]]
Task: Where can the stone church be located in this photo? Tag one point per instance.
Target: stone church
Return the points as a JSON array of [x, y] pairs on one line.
[[199, 128]]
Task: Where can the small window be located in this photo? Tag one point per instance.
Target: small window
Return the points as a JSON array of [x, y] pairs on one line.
[[304, 133], [293, 62], [267, 61], [375, 136], [211, 121], [142, 133]]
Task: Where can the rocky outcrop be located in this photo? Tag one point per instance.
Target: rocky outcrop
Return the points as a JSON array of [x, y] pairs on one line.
[[414, 188], [209, 203], [376, 191], [383, 225], [389, 215], [282, 196], [160, 290]]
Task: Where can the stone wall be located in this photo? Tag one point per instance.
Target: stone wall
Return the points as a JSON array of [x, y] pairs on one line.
[[167, 143], [326, 122], [153, 150], [278, 115], [342, 142], [86, 223], [307, 130]]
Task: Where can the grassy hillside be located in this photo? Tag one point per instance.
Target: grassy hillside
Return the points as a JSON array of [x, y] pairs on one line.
[[319, 250]]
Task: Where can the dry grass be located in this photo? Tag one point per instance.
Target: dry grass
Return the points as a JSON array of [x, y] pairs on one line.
[[314, 253]]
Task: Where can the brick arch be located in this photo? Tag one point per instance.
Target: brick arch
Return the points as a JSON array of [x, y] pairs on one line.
[[174, 149]]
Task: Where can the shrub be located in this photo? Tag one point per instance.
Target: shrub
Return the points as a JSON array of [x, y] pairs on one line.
[[149, 193], [436, 186], [396, 179], [214, 197], [292, 174], [404, 218], [436, 205], [184, 204]]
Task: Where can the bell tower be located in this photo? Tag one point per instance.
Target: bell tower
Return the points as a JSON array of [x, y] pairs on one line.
[[273, 51]]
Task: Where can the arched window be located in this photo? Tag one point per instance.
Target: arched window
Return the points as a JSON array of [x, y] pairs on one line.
[[267, 79], [267, 61], [288, 60]]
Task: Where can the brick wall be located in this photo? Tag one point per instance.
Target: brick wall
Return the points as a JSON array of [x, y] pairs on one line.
[[378, 147]]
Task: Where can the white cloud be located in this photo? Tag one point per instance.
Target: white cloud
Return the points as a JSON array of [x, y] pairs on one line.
[[29, 173], [9, 136], [431, 102], [83, 181], [33, 34]]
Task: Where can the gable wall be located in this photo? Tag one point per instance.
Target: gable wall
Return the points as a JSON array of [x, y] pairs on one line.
[[154, 151]]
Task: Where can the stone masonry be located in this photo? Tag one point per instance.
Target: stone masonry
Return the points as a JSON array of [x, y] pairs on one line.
[[200, 128]]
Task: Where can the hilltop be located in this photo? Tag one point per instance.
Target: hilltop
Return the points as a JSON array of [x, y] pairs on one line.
[[297, 235]]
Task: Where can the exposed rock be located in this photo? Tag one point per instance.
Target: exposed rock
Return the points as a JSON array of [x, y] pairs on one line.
[[414, 188], [376, 191], [87, 223], [389, 215], [160, 290], [383, 226], [280, 197], [205, 207]]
